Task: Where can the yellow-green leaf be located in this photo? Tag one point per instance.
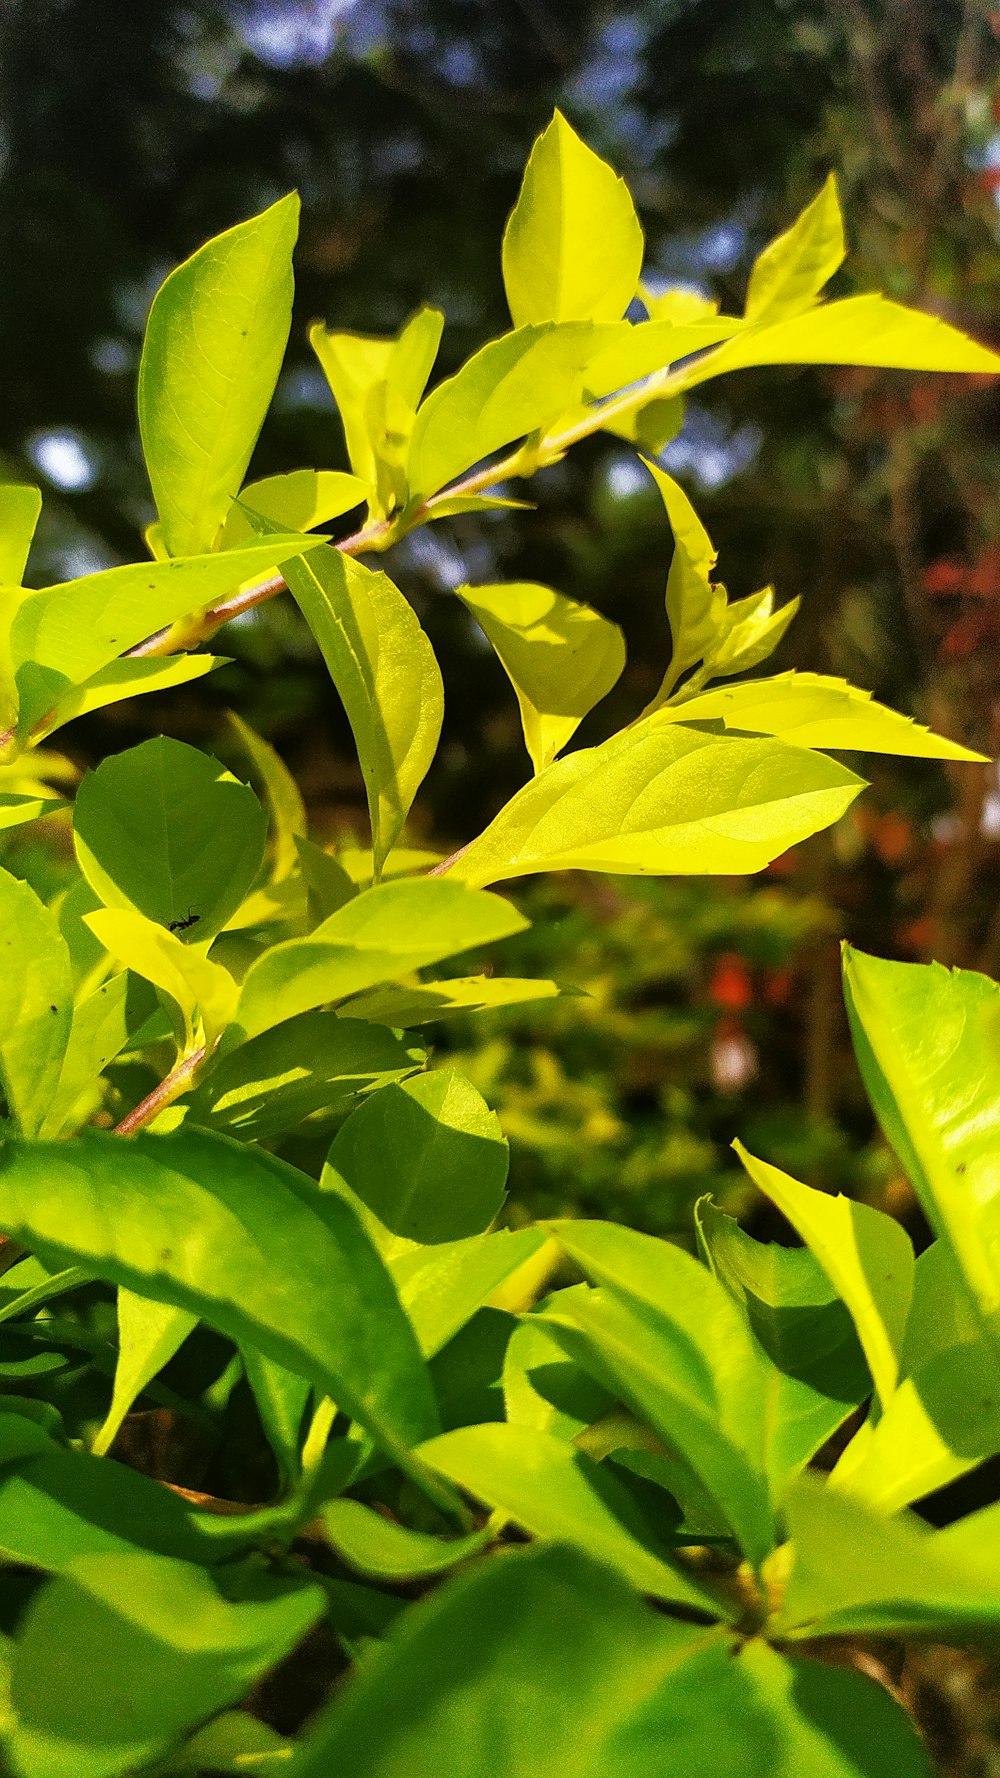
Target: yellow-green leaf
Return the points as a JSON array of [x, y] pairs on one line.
[[186, 974], [64, 634], [699, 804], [130, 677], [377, 384], [867, 1256], [813, 710], [214, 342], [294, 502], [572, 249], [384, 669], [36, 1003], [424, 1003], [561, 657], [148, 1336], [859, 330], [20, 506], [790, 273]]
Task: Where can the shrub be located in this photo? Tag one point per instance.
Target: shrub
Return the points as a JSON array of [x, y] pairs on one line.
[[282, 1397]]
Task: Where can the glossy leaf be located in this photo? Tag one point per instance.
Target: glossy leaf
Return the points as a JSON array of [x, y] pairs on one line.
[[867, 330], [658, 799], [556, 1492], [442, 1287], [36, 1003], [164, 829], [281, 1396], [867, 1256], [543, 1387], [192, 980], [790, 273], [214, 343], [289, 821], [927, 1041], [380, 935], [813, 710], [820, 1372], [298, 501], [130, 677], [20, 506], [572, 249], [62, 636], [561, 657], [513, 386], [312, 1065], [241, 1240], [328, 884], [426, 1002], [944, 1417], [665, 1338], [390, 1552], [546, 1662], [149, 1334], [385, 672], [57, 1505], [120, 1654], [377, 384], [427, 1156], [857, 1572]]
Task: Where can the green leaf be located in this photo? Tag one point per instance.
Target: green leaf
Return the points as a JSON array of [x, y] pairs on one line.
[[820, 1372], [165, 830], [813, 710], [561, 657], [556, 1492], [426, 1002], [545, 1662], [62, 636], [706, 631], [427, 1156], [858, 330], [317, 1063], [944, 1418], [572, 248], [390, 1552], [927, 1041], [377, 384], [281, 1397], [385, 672], [241, 1240], [665, 1338], [442, 1287], [36, 1003], [790, 273], [130, 677], [20, 506], [295, 502], [214, 343], [234, 1742], [193, 982], [867, 1256], [328, 884], [543, 1387], [119, 1655], [149, 1334], [658, 799], [57, 1505], [16, 810], [289, 821], [524, 380], [380, 935], [857, 1572]]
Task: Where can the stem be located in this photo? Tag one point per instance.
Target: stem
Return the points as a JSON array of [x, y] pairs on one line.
[[521, 462], [169, 1089]]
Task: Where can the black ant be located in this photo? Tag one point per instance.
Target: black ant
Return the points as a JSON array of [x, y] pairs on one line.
[[184, 925]]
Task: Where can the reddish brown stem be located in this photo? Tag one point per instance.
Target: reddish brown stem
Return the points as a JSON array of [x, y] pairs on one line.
[[169, 1089]]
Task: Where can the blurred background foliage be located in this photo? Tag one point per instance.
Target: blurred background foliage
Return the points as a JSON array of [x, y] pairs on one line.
[[128, 134]]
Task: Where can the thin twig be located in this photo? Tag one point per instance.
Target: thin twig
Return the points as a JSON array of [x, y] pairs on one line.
[[169, 1089]]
